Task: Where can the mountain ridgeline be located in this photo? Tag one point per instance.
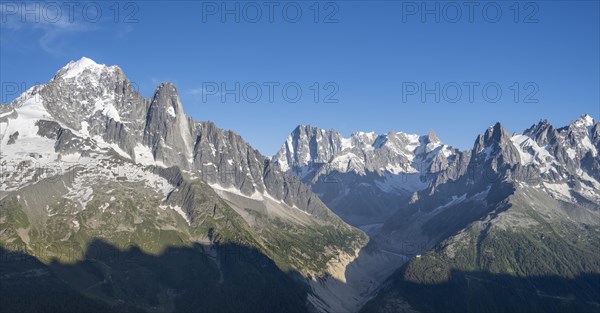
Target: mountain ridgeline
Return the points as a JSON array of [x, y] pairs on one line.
[[511, 225], [110, 201], [87, 159]]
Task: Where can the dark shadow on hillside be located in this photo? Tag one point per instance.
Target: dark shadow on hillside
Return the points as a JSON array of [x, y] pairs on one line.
[[366, 204], [220, 278], [487, 292]]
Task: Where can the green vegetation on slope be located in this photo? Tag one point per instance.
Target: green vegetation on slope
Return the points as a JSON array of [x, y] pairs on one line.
[[541, 268]]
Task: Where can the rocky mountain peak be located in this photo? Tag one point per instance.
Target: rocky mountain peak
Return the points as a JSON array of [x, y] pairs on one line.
[[579, 132], [92, 108], [307, 144], [496, 134], [168, 131], [543, 133], [542, 125], [85, 95], [84, 65], [166, 100], [305, 130], [430, 141], [584, 120], [496, 146], [432, 137], [363, 139], [494, 137]]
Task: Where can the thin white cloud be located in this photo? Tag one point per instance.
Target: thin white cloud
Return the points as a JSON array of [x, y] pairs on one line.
[[53, 33]]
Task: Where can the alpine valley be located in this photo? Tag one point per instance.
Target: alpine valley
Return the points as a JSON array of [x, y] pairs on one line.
[[112, 202]]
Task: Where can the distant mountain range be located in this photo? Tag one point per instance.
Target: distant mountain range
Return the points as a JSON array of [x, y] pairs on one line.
[[367, 177], [94, 175], [517, 211]]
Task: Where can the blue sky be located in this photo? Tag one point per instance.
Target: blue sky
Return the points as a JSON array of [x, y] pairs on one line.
[[368, 58]]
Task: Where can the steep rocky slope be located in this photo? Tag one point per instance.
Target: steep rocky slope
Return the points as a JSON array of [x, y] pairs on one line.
[[85, 157]]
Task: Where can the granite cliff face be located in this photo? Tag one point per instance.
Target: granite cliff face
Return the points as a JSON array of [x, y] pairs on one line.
[[524, 205], [98, 103], [524, 216], [86, 157], [367, 177], [394, 183]]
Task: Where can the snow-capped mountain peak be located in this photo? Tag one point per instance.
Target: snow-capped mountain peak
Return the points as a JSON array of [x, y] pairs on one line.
[[361, 152], [86, 153], [76, 68], [585, 120], [90, 108], [391, 165]]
